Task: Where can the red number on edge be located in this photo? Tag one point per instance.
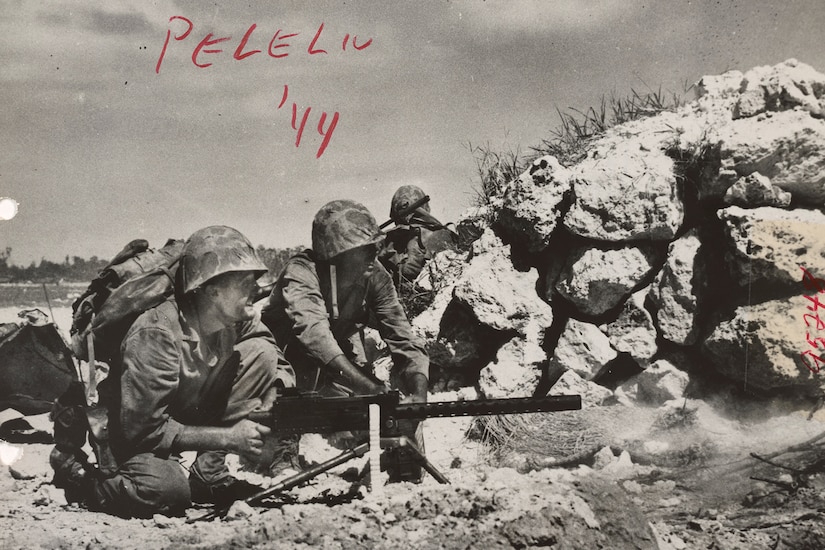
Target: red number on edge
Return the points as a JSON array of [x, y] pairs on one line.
[[817, 359]]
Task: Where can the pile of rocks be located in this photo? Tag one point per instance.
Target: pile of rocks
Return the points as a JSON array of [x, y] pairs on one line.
[[676, 246]]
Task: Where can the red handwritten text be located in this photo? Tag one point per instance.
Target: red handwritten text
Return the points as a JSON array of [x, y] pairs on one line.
[[279, 46], [325, 133], [813, 359]]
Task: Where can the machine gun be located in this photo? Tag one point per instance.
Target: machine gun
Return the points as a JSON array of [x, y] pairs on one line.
[[386, 419]]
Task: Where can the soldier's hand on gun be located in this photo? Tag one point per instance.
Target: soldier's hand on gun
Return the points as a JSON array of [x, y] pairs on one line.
[[417, 386], [379, 389], [248, 438]]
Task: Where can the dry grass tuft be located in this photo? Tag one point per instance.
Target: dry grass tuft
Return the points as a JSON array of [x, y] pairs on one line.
[[558, 435], [570, 141]]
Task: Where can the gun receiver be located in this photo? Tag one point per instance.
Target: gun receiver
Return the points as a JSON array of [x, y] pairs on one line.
[[308, 413]]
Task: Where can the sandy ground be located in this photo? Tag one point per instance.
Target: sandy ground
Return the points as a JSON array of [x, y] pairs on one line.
[[691, 499], [677, 486]]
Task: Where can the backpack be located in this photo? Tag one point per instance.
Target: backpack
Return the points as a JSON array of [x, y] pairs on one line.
[[138, 278]]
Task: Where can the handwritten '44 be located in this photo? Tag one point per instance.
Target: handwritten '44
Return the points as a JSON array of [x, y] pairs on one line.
[[325, 133], [813, 322]]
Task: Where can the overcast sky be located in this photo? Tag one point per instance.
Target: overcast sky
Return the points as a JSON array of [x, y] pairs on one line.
[[100, 146]]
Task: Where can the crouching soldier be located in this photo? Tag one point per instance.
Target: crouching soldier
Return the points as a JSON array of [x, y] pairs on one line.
[[189, 371], [416, 238], [325, 295]]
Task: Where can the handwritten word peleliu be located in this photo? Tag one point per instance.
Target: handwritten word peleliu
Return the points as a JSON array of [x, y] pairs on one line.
[[279, 47], [818, 343]]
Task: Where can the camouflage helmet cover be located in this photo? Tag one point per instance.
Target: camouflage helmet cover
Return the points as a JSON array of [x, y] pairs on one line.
[[403, 198], [343, 225], [215, 250]]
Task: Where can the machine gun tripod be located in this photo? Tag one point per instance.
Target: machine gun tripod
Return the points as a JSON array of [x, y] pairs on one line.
[[387, 419]]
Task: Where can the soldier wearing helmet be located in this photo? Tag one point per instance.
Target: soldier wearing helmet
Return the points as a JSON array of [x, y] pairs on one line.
[[415, 239], [325, 295], [190, 370]]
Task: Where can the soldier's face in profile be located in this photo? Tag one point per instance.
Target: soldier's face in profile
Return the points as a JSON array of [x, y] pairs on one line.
[[360, 262], [234, 295]]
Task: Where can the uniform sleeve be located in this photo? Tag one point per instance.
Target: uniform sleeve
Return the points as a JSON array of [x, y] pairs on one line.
[[414, 260], [255, 339], [408, 352], [306, 309], [151, 372]]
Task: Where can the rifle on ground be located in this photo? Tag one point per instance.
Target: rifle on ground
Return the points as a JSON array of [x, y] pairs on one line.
[[305, 412]]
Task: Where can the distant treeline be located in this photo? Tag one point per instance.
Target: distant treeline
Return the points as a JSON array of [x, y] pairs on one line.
[[77, 269]]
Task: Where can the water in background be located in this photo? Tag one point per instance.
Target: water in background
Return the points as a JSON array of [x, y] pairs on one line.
[[36, 295], [55, 301]]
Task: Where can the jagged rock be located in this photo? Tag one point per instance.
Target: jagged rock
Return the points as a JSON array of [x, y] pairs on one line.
[[769, 244], [583, 348], [499, 296], [761, 346], [778, 87], [488, 303], [622, 195], [633, 332], [592, 394], [239, 510], [472, 223], [787, 85], [788, 147], [449, 331], [48, 494], [750, 103], [620, 468], [677, 288], [656, 385], [756, 190], [529, 212], [596, 281], [720, 86], [438, 276], [602, 458], [462, 343], [516, 370]]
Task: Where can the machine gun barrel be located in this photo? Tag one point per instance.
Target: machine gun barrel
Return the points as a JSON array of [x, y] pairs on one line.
[[482, 407]]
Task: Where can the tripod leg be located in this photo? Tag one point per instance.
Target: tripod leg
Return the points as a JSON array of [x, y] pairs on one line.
[[403, 445], [293, 481], [432, 470]]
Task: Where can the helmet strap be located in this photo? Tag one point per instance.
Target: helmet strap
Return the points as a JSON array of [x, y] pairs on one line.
[[334, 285]]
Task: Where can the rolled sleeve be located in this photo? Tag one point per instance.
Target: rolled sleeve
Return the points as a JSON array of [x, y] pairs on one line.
[[408, 352], [150, 377]]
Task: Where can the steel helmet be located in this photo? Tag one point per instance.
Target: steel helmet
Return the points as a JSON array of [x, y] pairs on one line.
[[404, 197], [343, 225], [215, 250]]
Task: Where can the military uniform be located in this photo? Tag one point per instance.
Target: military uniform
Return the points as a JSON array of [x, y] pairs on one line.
[[169, 377], [300, 315], [178, 369], [415, 239]]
